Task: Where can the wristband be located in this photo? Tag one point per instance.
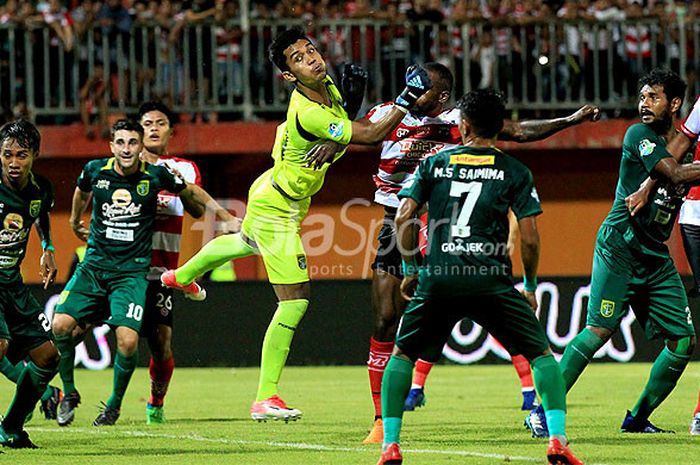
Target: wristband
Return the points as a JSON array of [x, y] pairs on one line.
[[47, 245], [410, 268], [530, 284]]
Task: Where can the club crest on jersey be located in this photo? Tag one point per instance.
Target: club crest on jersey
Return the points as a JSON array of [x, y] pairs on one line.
[[336, 129], [607, 308], [34, 208], [646, 147], [142, 187], [301, 261]]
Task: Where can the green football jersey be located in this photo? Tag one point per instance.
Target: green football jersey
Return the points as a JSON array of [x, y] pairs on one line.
[[308, 124], [18, 212], [642, 149], [123, 212], [469, 192]]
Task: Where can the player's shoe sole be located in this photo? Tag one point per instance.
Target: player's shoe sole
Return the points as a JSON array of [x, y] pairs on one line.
[[192, 291]]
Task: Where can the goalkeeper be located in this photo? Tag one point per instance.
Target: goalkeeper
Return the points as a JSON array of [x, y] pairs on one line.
[[279, 199]]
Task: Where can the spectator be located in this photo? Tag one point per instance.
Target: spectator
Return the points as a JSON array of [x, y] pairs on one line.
[[228, 54], [483, 55]]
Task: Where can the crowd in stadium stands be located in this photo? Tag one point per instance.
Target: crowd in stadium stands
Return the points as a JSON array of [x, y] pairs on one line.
[[498, 54]]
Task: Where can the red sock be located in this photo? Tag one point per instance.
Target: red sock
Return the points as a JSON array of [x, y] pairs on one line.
[[522, 366], [697, 409], [420, 372], [160, 372], [379, 353]]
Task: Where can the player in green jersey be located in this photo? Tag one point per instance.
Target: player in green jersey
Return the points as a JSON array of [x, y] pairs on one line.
[[466, 271], [25, 199], [279, 200], [631, 263], [110, 283]]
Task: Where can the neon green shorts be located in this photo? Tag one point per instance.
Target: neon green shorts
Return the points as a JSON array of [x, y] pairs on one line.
[[273, 222], [100, 296], [650, 285]]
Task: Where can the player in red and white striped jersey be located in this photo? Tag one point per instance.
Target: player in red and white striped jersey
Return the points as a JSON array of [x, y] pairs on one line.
[[158, 122], [426, 130]]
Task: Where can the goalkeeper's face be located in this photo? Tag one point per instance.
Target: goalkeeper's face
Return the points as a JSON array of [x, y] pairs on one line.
[[306, 65]]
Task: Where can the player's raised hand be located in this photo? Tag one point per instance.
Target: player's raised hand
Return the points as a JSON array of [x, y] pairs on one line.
[[417, 83], [408, 286], [48, 268], [322, 153], [531, 299], [587, 113], [80, 230], [353, 82]]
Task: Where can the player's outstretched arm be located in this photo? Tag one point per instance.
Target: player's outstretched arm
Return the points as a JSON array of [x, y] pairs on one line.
[[197, 201], [407, 226], [78, 207], [532, 130], [47, 263], [530, 251]]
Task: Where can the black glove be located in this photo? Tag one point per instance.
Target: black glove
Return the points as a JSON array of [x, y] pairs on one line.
[[353, 82], [417, 83]]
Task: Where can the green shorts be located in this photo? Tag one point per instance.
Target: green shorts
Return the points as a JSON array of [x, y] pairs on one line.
[[428, 321], [650, 285], [95, 296], [22, 319], [273, 221]]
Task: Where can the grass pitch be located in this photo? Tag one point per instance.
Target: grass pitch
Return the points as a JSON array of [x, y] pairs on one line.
[[472, 417]]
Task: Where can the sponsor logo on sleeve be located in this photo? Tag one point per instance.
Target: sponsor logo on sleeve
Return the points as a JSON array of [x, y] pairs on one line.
[[477, 160], [301, 261], [535, 195], [607, 308], [646, 147], [336, 130]]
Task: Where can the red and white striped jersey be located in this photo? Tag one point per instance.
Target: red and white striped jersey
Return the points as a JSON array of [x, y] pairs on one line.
[[690, 210], [167, 229], [415, 138]]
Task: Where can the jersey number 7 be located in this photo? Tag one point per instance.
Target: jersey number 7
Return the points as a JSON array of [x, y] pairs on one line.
[[461, 227]]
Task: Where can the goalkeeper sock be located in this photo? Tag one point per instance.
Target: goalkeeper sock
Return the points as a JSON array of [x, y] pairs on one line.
[[578, 355], [395, 387], [66, 364], [665, 372], [278, 339], [123, 369], [11, 372], [214, 254]]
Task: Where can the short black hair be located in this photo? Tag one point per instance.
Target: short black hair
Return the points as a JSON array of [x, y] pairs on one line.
[[485, 110], [445, 79], [23, 132], [283, 40], [674, 86], [155, 105], [126, 125]]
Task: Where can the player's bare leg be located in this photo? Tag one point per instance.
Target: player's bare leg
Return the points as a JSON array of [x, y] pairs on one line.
[[292, 304]]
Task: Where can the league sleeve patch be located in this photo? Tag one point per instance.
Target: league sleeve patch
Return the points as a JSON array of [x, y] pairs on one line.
[[336, 129], [534, 194], [646, 147]]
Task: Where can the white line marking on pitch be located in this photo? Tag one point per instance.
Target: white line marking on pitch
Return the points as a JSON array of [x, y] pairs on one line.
[[287, 445]]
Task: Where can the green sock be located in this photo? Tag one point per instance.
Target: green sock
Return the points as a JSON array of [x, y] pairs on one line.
[[47, 394], [214, 253], [11, 372], [278, 339], [578, 355], [395, 386], [123, 369], [667, 369], [66, 364], [550, 386], [30, 385]]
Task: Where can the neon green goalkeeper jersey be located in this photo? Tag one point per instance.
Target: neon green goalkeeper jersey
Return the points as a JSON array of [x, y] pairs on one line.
[[308, 124]]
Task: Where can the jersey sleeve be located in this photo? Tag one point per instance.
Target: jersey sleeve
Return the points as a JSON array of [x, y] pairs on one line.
[[643, 142], [49, 195], [378, 112], [171, 181], [85, 179], [526, 202], [325, 125], [418, 187], [691, 125]]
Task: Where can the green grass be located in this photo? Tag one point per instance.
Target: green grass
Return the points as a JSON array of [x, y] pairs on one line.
[[471, 412]]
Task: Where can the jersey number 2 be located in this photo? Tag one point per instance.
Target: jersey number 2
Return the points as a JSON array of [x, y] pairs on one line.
[[473, 190]]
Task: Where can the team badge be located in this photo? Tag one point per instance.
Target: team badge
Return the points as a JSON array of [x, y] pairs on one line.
[[301, 261], [34, 208], [336, 129], [646, 147], [142, 187], [607, 308]]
